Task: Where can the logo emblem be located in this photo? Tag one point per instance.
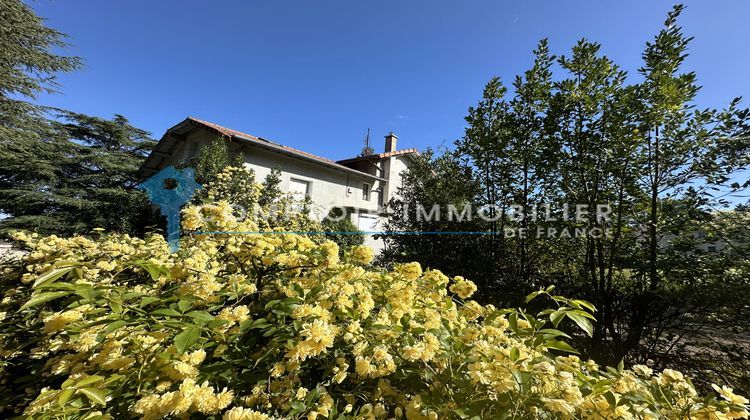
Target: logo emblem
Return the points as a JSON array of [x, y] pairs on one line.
[[170, 189]]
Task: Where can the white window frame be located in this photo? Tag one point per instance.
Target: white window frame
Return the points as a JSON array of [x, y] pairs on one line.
[[308, 185]]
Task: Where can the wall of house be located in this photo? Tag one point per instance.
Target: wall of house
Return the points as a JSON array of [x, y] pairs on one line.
[[328, 187], [397, 165]]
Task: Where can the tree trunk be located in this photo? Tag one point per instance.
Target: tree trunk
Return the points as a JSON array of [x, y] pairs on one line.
[[653, 219]]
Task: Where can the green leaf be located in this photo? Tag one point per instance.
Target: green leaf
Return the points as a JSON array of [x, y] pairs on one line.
[[148, 300], [584, 314], [51, 275], [610, 397], [95, 395], [68, 383], [200, 316], [553, 333], [513, 321], [560, 345], [114, 326], [89, 380], [269, 332], [64, 396], [271, 304], [514, 354], [57, 285], [216, 323], [85, 291], [582, 322], [116, 307], [154, 270], [187, 338], [259, 323], [297, 288], [585, 304], [523, 379], [131, 295], [184, 305], [556, 316], [532, 295], [298, 406], [42, 297], [166, 312], [461, 413]]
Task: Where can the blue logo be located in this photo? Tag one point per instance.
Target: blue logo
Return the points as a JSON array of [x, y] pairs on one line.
[[170, 189]]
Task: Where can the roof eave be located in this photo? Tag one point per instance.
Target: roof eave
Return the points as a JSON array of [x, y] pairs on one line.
[[333, 165], [145, 169]]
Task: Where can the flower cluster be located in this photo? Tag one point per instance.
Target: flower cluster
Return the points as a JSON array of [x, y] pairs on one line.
[[277, 326], [361, 254], [463, 288]]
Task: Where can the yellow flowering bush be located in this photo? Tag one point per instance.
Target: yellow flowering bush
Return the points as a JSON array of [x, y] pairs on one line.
[[235, 192], [263, 326]]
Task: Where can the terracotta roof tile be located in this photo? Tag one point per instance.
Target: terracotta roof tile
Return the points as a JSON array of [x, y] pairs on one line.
[[273, 145], [231, 133]]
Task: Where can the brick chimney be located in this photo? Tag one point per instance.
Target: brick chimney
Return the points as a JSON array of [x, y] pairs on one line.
[[390, 142]]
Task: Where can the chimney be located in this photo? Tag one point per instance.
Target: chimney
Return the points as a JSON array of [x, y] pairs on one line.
[[390, 142]]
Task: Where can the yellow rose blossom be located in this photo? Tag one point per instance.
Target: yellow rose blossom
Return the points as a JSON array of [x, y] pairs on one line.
[[241, 413], [361, 254], [462, 287], [410, 271], [729, 395]]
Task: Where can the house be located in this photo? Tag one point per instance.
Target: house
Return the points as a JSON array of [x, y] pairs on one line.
[[362, 185], [699, 240]]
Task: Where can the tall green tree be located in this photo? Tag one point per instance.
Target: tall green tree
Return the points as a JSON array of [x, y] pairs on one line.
[[485, 149], [590, 136], [681, 145], [590, 125], [505, 146], [528, 153], [81, 175], [60, 172], [28, 67]]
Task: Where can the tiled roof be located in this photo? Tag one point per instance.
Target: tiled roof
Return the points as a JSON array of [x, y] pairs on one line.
[[162, 149], [380, 155], [234, 133]]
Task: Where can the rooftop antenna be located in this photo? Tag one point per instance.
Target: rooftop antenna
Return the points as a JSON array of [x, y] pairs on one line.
[[367, 150]]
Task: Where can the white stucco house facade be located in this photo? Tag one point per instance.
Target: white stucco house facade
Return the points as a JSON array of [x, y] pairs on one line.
[[362, 185]]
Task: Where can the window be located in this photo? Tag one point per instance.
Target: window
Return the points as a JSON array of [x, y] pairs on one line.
[[366, 192], [299, 189], [711, 249]]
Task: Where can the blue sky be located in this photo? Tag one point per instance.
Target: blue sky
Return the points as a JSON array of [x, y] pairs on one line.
[[317, 75]]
